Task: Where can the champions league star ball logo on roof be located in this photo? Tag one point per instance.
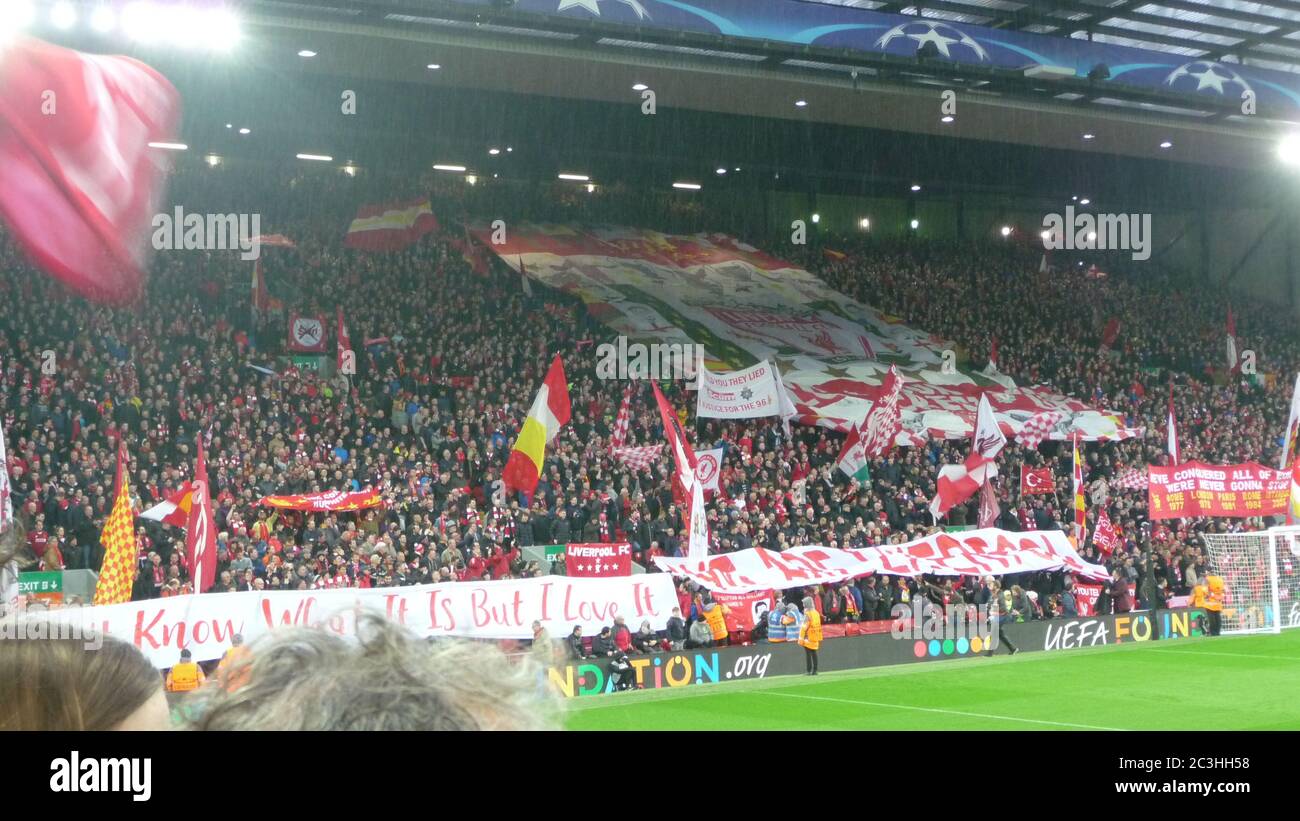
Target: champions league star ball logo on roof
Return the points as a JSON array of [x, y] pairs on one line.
[[950, 42], [1202, 74]]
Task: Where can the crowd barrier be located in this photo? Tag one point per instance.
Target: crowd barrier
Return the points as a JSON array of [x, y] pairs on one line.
[[688, 668]]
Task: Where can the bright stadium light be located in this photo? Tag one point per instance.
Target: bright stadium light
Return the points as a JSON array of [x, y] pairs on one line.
[[21, 15], [1085, 201], [574, 177], [433, 66], [915, 224], [692, 186], [1166, 144], [458, 169], [212, 160], [245, 131], [170, 146], [801, 103], [143, 21], [640, 87], [472, 179], [1090, 136], [63, 16], [947, 118], [864, 224], [102, 19], [591, 188], [1046, 235], [915, 188], [721, 171], [223, 30], [1288, 150], [816, 218], [306, 53], [350, 170], [316, 157], [494, 151], [1006, 230]]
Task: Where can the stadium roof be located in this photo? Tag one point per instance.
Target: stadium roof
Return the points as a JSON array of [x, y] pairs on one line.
[[1266, 34]]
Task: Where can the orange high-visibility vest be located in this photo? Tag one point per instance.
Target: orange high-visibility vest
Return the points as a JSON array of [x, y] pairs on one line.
[[184, 677], [810, 633], [1214, 601], [717, 621]]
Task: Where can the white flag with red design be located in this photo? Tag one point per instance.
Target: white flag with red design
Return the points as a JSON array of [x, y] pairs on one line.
[[1234, 361], [1175, 453], [9, 572], [957, 483], [624, 418], [1037, 428], [882, 424], [698, 546], [344, 342], [81, 188], [175, 509]]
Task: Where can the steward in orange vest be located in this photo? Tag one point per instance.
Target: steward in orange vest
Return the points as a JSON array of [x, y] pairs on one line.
[[185, 676], [810, 634]]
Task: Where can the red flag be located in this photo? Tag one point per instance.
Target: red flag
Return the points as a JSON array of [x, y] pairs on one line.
[[598, 559], [344, 341], [81, 188], [683, 454], [201, 529], [989, 509], [1105, 536], [1110, 334], [1036, 480], [957, 483], [473, 256], [261, 298], [993, 353]]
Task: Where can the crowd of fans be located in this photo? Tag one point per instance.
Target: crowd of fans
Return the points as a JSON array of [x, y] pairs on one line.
[[445, 373]]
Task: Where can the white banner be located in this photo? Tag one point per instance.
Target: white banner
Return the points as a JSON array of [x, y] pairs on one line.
[[746, 394], [973, 552], [708, 466], [505, 609]]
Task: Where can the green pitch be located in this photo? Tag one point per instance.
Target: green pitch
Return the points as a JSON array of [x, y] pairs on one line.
[[1228, 683]]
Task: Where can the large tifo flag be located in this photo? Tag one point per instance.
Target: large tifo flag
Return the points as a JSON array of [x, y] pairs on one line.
[[744, 307], [81, 183], [550, 412], [175, 509], [390, 227], [117, 575]]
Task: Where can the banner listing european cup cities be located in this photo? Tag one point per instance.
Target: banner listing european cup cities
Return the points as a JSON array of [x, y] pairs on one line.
[[1197, 489]]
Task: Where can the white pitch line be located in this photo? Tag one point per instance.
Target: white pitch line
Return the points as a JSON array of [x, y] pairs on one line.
[[1227, 655], [948, 712]]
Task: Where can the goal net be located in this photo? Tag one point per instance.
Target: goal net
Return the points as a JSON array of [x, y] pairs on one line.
[[1261, 578]]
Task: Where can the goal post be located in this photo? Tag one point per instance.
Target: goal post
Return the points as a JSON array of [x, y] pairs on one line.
[[1261, 578]]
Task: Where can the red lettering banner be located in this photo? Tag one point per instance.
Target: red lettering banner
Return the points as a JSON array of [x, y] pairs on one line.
[[503, 609], [1197, 489]]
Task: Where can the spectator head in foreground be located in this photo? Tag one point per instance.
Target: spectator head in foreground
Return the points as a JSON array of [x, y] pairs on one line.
[[385, 678], [76, 684]]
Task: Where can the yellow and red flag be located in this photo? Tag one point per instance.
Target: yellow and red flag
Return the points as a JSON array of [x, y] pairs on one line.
[[117, 576], [550, 412], [1080, 520]]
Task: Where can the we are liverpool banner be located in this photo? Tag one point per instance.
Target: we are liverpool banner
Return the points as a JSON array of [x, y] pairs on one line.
[[506, 609], [744, 307], [987, 551], [1198, 489], [327, 500]]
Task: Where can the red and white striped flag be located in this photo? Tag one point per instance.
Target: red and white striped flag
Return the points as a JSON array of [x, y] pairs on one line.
[[621, 422], [81, 188], [1132, 479], [201, 529], [638, 458], [880, 428], [1038, 427]]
